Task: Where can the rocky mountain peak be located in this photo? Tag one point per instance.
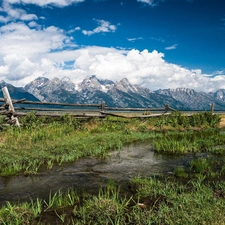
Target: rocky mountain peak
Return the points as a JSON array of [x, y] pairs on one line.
[[220, 94], [68, 85], [38, 83], [125, 86], [90, 82], [93, 83], [55, 80], [35, 87]]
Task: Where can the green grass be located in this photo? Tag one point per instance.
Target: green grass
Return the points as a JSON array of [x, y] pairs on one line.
[[42, 141], [173, 202], [206, 140], [152, 201], [26, 149], [191, 195]]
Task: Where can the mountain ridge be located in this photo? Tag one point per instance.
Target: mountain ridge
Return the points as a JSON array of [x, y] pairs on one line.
[[122, 94], [115, 94]]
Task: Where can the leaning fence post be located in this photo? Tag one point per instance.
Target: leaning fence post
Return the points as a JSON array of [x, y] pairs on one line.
[[10, 106]]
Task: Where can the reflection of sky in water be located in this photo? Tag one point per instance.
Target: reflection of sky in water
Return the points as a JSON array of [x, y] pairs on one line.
[[91, 173]]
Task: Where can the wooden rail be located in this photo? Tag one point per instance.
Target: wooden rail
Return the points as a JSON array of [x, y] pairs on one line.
[[14, 109]]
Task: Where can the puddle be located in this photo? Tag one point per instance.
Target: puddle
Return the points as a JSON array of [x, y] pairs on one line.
[[91, 173]]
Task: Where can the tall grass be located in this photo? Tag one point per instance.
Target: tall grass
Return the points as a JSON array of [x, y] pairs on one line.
[[209, 140]]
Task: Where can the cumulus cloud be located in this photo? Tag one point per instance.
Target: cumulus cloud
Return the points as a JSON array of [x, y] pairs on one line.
[[103, 27], [145, 68], [23, 49], [14, 13], [29, 50]]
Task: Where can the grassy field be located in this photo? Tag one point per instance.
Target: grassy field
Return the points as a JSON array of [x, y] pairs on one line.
[[190, 195]]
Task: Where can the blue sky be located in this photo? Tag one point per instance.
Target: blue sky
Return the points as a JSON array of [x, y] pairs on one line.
[[153, 43]]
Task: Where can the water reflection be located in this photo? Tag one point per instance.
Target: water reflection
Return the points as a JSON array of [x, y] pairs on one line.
[[91, 173]]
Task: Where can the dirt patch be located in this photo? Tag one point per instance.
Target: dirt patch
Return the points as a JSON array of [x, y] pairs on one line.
[[222, 123]]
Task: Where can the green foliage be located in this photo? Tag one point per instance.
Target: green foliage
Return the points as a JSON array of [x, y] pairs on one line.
[[12, 214], [2, 119], [171, 202], [106, 208], [200, 165], [205, 119], [180, 172], [31, 121], [190, 141], [154, 200], [44, 141], [58, 141], [177, 119], [142, 128], [71, 121]]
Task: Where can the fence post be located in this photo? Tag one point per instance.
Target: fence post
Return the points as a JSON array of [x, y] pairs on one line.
[[10, 106], [103, 106], [166, 108], [212, 107]]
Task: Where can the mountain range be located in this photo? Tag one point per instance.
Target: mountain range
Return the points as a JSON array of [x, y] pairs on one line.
[[17, 92], [115, 94]]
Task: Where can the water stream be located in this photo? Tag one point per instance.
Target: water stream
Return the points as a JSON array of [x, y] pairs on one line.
[[91, 173]]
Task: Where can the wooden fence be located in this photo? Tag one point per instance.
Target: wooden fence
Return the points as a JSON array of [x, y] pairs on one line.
[[16, 108]]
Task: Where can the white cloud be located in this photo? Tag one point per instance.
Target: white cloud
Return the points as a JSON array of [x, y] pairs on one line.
[[28, 17], [134, 39], [104, 27], [74, 30], [149, 2], [148, 69], [172, 47], [59, 3], [3, 19], [14, 13], [29, 51], [23, 50]]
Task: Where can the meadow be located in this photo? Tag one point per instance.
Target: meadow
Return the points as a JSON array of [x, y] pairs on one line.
[[190, 195]]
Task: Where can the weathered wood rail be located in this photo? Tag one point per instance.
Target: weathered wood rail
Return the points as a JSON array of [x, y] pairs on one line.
[[14, 109]]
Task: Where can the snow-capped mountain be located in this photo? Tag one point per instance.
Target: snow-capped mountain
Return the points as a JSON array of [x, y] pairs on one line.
[[195, 100], [121, 94], [92, 83], [220, 94]]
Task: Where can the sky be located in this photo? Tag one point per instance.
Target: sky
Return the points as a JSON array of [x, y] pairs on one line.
[[157, 44]]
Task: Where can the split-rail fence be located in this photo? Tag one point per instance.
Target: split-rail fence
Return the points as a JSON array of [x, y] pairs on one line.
[[13, 109]]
